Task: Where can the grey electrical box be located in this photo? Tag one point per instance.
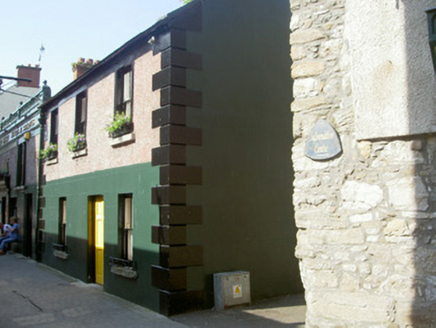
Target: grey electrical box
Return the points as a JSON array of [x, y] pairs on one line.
[[231, 288]]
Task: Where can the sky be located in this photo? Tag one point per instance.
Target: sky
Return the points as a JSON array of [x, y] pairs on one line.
[[69, 30]]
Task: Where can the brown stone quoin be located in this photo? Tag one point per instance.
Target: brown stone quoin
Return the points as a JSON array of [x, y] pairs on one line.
[[170, 276]]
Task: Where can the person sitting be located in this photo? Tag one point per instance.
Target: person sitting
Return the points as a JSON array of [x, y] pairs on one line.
[[11, 234], [6, 231]]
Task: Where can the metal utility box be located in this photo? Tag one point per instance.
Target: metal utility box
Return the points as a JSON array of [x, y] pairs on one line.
[[231, 288]]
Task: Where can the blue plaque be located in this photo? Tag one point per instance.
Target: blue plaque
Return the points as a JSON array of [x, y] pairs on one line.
[[323, 142]]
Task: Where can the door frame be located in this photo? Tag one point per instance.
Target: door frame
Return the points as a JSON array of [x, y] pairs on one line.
[[91, 237]]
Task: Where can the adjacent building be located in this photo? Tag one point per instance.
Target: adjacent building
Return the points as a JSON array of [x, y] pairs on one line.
[[17, 90], [172, 160], [20, 132]]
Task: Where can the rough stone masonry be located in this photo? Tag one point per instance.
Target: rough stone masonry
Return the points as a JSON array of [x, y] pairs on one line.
[[366, 218]]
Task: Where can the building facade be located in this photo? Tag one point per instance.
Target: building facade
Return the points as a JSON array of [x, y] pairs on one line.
[[20, 135], [363, 75], [200, 179], [197, 181]]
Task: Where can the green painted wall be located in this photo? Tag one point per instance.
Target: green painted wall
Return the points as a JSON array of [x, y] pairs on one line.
[[136, 179], [246, 154]]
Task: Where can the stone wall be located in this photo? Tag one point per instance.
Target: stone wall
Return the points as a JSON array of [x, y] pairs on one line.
[[366, 218]]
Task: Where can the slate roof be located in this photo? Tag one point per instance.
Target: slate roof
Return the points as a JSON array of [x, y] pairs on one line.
[[11, 97]]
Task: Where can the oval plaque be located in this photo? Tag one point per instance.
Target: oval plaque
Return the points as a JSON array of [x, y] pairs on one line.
[[323, 142]]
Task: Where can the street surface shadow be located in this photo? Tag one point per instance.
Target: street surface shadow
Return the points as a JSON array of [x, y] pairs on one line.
[[287, 311]]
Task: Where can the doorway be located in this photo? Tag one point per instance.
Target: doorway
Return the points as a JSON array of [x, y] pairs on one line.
[[12, 208], [27, 228], [96, 238]]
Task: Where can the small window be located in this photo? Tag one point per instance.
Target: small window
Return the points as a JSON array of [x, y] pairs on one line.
[[62, 235], [124, 91], [126, 226], [21, 164], [81, 109], [54, 127]]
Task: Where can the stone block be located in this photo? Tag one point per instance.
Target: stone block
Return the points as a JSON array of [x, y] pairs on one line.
[[356, 307], [401, 153], [349, 282], [317, 264], [307, 87], [408, 194], [344, 237], [307, 68], [304, 219], [299, 105], [398, 228], [425, 259], [360, 218], [298, 52], [360, 195], [309, 237], [305, 36], [321, 278]]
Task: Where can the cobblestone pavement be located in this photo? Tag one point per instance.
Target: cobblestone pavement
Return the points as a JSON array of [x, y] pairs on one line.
[[33, 295]]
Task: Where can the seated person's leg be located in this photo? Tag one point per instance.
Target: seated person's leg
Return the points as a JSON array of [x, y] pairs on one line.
[[3, 244]]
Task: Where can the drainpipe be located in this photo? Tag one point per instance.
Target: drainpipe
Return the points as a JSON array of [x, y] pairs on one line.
[[38, 242]]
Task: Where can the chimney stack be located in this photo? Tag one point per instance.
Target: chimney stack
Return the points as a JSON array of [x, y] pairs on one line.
[[28, 72], [81, 66]]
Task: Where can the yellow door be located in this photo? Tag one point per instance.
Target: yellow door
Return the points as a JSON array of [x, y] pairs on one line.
[[99, 240]]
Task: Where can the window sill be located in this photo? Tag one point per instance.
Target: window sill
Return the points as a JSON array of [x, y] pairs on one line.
[[20, 188], [123, 140], [126, 272], [60, 251], [61, 255], [52, 161], [124, 268], [80, 153]]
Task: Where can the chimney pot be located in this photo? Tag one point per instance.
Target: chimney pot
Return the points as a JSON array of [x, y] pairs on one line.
[[81, 66]]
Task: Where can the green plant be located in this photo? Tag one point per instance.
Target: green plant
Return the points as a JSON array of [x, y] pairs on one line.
[[119, 123], [48, 151], [77, 142], [82, 63], [85, 65]]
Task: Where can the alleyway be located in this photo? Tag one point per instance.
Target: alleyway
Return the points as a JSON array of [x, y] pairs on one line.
[[33, 295]]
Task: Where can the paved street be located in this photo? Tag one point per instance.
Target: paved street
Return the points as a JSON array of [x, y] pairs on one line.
[[33, 295], [289, 312]]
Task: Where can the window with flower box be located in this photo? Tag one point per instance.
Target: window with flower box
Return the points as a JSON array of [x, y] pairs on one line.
[[124, 91], [81, 109], [54, 127], [122, 121], [52, 150], [77, 144]]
